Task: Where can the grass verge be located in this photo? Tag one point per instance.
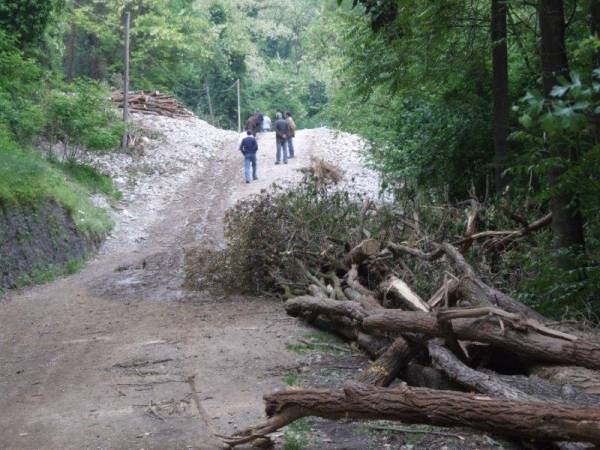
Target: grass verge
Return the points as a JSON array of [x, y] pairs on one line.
[[26, 177]]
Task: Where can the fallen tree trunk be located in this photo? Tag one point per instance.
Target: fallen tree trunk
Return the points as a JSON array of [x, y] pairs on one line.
[[445, 360], [585, 379], [387, 367], [547, 391], [404, 293], [362, 252], [540, 421], [529, 344]]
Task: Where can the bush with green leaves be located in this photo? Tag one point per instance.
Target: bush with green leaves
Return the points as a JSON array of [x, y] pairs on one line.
[[82, 118], [21, 84]]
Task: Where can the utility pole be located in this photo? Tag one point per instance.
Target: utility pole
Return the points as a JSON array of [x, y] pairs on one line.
[[210, 105], [126, 79], [239, 110]]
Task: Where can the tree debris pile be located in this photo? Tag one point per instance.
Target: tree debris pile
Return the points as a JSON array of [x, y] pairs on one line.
[[460, 353], [152, 103]]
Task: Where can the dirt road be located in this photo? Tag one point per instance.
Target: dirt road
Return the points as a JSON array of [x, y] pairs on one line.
[[120, 356]]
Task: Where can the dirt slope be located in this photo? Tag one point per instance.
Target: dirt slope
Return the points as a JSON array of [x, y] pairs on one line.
[[120, 355]]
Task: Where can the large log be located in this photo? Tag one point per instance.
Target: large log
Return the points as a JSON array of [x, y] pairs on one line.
[[387, 367], [529, 343], [510, 387], [540, 421], [444, 359], [362, 252], [585, 379], [405, 294], [307, 305]]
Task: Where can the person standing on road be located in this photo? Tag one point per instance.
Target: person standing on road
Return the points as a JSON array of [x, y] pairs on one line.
[[291, 133], [266, 123], [252, 124], [259, 120], [281, 136], [249, 147]]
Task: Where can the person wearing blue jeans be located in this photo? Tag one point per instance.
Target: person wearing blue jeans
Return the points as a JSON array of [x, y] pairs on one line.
[[291, 133], [249, 147], [281, 136]]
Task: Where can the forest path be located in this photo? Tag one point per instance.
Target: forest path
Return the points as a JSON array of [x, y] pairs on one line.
[[102, 358]]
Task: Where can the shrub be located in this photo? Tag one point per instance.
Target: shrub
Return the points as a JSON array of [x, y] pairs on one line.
[[82, 119]]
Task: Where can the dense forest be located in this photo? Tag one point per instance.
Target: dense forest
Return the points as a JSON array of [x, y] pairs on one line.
[[495, 101]]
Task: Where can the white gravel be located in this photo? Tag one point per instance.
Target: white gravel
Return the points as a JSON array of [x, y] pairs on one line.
[[173, 152], [176, 150]]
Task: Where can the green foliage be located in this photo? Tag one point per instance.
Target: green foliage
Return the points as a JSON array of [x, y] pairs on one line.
[[82, 118], [89, 177], [539, 280], [21, 116], [565, 119], [48, 274], [324, 219], [296, 435], [26, 177], [26, 20]]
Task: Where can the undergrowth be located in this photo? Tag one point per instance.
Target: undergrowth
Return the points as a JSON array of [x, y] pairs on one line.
[[283, 240], [26, 177]]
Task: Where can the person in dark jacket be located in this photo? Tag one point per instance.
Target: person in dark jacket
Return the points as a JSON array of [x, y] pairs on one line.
[[291, 134], [252, 124], [249, 147], [281, 136]]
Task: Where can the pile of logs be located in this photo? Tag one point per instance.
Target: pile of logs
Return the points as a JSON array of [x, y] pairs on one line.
[[483, 359], [152, 103]]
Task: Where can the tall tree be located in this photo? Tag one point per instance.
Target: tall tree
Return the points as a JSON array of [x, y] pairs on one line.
[[567, 222], [500, 91]]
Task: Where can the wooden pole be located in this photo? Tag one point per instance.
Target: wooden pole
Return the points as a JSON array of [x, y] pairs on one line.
[[126, 79], [210, 105], [239, 107]]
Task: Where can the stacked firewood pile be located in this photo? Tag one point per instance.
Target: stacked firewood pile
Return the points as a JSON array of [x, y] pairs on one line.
[[152, 103], [484, 360]]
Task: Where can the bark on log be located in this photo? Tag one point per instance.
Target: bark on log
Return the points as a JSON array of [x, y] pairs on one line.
[[352, 281], [366, 301], [447, 291], [518, 388], [486, 383], [362, 252], [540, 421], [301, 306], [373, 346], [530, 344], [585, 379], [387, 367], [404, 293], [544, 390], [417, 375]]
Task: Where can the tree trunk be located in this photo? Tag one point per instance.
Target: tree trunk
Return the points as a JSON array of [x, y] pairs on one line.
[[72, 47], [362, 251], [567, 222], [402, 291], [526, 343], [500, 91], [387, 367], [585, 379], [595, 26], [530, 420], [445, 360]]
